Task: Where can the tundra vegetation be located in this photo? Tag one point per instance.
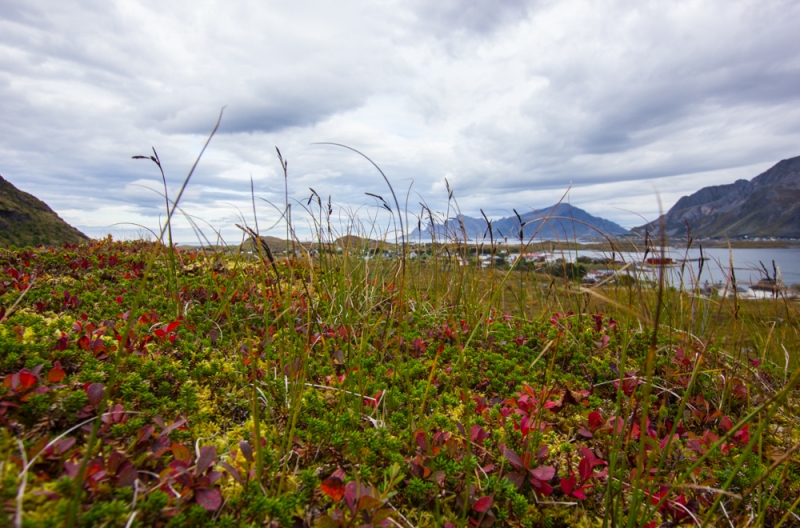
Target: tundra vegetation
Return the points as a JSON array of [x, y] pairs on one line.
[[145, 385]]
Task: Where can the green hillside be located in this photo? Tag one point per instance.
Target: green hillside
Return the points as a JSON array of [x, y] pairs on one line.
[[27, 221]]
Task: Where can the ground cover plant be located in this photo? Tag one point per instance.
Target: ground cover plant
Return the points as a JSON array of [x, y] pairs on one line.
[[144, 385]]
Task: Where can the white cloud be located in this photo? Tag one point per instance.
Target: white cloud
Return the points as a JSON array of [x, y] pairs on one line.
[[511, 101]]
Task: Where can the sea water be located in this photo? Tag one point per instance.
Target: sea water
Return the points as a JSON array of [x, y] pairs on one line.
[[747, 263]]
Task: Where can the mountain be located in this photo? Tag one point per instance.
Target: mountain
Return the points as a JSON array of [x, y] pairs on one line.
[[558, 222], [27, 221], [276, 245], [766, 206]]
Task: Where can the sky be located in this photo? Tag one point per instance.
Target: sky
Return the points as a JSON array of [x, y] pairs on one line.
[[619, 107]]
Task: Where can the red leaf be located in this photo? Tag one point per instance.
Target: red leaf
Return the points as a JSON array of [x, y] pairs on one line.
[[568, 484], [351, 490], [174, 425], [543, 454], [543, 473], [483, 504], [542, 487], [62, 342], [56, 373], [144, 433], [205, 458], [586, 468], [726, 424], [696, 446], [26, 379], [208, 498], [422, 441], [585, 432], [127, 475], [94, 392], [579, 494], [11, 381], [181, 452], [616, 424], [95, 469], [333, 487], [246, 450], [515, 478], [172, 326], [477, 434], [595, 420], [512, 457], [115, 415], [743, 434], [233, 472], [65, 444]]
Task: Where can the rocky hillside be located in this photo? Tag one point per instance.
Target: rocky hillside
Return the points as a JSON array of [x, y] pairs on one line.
[[766, 206], [27, 221], [558, 222]]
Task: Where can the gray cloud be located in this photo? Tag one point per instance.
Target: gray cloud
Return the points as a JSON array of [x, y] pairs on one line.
[[510, 101], [459, 17]]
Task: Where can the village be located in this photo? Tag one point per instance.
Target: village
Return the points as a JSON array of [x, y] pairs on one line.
[[590, 271]]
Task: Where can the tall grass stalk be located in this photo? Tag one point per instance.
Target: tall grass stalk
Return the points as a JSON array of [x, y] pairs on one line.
[[72, 511], [173, 273]]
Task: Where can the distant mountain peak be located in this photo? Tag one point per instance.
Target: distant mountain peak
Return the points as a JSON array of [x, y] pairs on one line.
[[557, 222], [766, 206], [27, 221]]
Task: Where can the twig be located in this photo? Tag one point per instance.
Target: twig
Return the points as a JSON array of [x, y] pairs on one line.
[[708, 488], [400, 514], [775, 464], [131, 519], [21, 489], [19, 299], [339, 390], [786, 366], [725, 511], [23, 475], [65, 433]]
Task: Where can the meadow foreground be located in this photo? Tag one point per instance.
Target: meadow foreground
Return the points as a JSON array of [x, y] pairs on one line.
[[144, 386]]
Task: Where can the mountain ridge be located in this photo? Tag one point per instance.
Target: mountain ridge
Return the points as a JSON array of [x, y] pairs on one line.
[[27, 221], [766, 206], [557, 222]]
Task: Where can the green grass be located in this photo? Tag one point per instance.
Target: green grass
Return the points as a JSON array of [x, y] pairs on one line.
[[338, 391]]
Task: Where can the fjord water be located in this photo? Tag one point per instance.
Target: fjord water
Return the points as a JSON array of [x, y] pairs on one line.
[[746, 263]]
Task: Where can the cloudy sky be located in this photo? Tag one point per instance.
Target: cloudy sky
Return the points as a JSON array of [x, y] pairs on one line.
[[511, 101]]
